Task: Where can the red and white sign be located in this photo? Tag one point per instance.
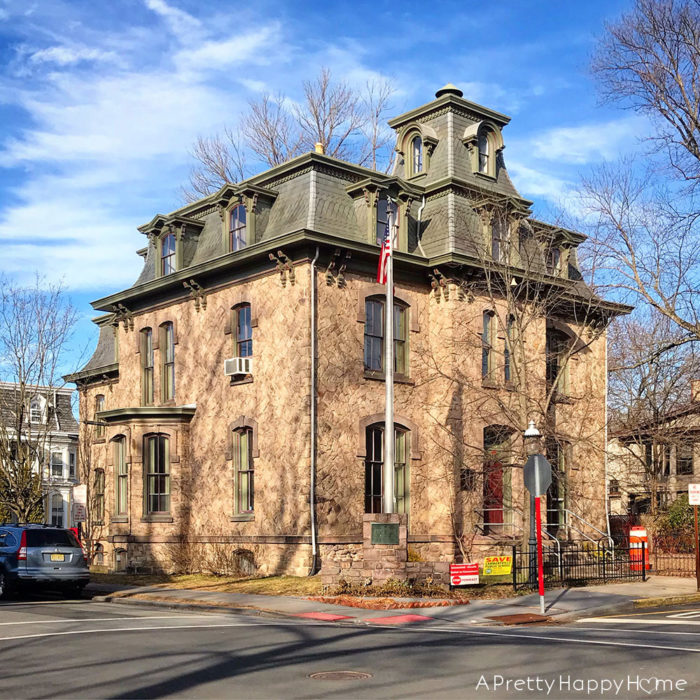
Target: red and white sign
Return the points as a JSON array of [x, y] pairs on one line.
[[464, 574], [694, 494]]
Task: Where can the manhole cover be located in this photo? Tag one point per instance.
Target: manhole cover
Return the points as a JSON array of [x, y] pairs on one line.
[[340, 676], [519, 619]]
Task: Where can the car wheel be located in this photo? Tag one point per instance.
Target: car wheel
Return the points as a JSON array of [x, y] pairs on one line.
[[4, 586]]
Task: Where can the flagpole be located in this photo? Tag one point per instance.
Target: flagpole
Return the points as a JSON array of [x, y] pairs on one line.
[[388, 467]]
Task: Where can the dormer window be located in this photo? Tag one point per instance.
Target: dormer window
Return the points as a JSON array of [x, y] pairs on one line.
[[416, 155], [554, 261], [37, 410], [167, 254], [237, 228], [484, 151], [484, 142]]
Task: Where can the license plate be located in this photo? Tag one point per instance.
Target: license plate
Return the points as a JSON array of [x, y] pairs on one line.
[[58, 557]]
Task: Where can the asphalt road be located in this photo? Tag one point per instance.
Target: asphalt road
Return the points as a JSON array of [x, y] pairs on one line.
[[83, 649]]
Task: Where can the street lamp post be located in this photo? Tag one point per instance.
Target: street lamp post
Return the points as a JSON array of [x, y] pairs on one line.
[[532, 436]]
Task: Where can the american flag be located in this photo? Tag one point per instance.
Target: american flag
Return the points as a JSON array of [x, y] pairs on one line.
[[385, 254]]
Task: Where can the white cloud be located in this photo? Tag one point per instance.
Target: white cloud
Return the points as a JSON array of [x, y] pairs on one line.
[[533, 183], [589, 142], [67, 55], [180, 22]]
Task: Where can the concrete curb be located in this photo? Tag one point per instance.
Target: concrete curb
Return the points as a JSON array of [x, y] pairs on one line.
[[668, 600]]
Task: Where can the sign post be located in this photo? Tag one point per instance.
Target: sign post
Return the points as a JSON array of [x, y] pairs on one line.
[[694, 500], [537, 475]]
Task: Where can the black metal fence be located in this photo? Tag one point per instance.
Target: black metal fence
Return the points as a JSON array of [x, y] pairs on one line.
[[577, 563], [673, 554]]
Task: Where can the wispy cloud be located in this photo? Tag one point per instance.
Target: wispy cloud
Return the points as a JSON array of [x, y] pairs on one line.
[[69, 55]]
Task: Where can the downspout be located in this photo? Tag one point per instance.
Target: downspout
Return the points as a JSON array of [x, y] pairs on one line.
[[418, 223], [605, 433], [315, 563]]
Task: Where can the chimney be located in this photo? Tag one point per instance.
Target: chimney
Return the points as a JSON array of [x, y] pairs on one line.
[[318, 147], [695, 390]]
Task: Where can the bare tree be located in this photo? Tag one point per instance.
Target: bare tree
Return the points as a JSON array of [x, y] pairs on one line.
[[346, 121], [645, 225], [650, 61], [36, 323]]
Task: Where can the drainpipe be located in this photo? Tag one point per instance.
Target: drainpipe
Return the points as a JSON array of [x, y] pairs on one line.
[[418, 222], [315, 563]]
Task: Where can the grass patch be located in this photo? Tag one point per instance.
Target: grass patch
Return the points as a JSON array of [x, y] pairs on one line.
[[268, 585]]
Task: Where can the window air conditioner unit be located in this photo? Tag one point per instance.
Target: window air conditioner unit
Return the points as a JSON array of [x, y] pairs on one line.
[[237, 366]]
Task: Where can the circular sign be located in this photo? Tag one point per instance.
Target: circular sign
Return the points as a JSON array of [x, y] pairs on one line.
[[456, 580]]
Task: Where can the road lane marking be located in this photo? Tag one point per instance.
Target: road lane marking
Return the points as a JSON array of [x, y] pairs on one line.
[[104, 619], [637, 621], [620, 629], [686, 614]]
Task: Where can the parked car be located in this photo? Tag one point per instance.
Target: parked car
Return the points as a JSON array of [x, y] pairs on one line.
[[41, 555]]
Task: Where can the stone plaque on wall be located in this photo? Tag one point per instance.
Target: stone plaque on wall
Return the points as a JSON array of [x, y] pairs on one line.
[[385, 533]]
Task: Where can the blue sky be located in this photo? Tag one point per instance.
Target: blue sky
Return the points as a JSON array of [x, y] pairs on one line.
[[100, 102]]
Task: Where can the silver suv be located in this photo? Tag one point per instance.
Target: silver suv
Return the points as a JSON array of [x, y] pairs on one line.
[[41, 555]]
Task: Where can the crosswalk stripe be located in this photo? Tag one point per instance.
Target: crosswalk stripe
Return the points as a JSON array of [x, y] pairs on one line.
[[637, 621]]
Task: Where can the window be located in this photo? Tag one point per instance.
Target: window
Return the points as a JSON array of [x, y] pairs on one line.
[[237, 228], [556, 351], [374, 462], [156, 456], [484, 151], [36, 410], [497, 479], [374, 337], [56, 510], [146, 367], [614, 487], [684, 459], [556, 452], [487, 344], [71, 464], [98, 556], [553, 261], [467, 479], [507, 345], [167, 349], [500, 239], [99, 495], [167, 254], [121, 477], [244, 331], [243, 470], [99, 406], [57, 465], [382, 219], [416, 155]]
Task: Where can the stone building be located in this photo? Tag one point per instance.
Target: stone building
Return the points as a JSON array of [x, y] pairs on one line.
[[240, 380], [49, 426]]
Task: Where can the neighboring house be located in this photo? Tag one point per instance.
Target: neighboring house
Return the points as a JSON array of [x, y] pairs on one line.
[[203, 385], [51, 425], [653, 463]]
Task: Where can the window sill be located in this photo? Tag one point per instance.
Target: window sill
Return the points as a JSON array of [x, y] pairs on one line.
[[164, 518], [169, 402], [247, 379], [490, 384], [119, 519], [243, 518], [486, 176], [99, 441], [380, 377]]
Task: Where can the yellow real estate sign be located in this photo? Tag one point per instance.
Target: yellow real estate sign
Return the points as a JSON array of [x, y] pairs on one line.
[[497, 566]]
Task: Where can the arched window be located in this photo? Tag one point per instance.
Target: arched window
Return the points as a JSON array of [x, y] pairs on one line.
[[98, 555], [416, 155], [37, 409], [167, 254], [99, 496], [237, 228], [242, 322], [99, 406], [374, 336], [167, 354], [56, 509], [243, 471], [497, 478], [374, 463], [156, 466], [484, 146], [147, 367], [121, 477], [487, 333]]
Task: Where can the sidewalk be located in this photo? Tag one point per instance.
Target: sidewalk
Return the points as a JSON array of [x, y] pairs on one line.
[[560, 604]]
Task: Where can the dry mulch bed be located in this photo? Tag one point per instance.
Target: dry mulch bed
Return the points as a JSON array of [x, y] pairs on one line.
[[387, 603]]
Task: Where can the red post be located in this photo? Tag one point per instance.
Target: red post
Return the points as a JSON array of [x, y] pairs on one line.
[[697, 550], [540, 566]]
